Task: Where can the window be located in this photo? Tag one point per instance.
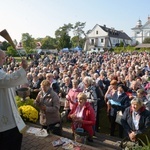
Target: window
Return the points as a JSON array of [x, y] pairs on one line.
[[114, 40], [96, 32], [102, 40], [92, 41]]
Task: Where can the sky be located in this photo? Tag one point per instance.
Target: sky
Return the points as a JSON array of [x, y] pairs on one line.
[[41, 18]]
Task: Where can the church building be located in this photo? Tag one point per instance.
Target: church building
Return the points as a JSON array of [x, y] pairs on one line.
[[140, 32]]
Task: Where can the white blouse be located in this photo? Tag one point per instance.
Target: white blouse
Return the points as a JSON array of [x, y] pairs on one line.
[[136, 118]]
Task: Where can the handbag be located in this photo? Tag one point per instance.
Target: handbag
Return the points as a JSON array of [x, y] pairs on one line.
[[118, 117]]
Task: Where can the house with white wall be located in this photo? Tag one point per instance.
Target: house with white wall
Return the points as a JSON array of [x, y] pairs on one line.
[[140, 32], [104, 37]]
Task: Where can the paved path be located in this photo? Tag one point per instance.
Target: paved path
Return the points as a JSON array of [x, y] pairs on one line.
[[31, 142], [101, 142]]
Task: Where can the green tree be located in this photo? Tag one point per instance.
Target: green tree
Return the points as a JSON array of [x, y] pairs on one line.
[[78, 31], [146, 40], [28, 42], [82, 42], [75, 41], [5, 45], [64, 29], [64, 41], [11, 51], [62, 36], [48, 43], [121, 44]]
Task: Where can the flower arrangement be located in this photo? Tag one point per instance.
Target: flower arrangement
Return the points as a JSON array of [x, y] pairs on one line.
[[28, 113]]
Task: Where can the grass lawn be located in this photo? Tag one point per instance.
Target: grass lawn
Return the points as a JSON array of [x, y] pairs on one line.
[[18, 59]]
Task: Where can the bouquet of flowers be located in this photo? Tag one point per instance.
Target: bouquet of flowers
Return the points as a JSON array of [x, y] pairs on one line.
[[28, 113]]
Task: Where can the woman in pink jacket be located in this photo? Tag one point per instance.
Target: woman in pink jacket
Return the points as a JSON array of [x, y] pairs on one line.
[[71, 97], [83, 116]]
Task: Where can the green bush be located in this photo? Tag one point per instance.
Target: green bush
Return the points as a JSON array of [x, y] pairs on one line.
[[28, 101], [143, 146], [28, 111]]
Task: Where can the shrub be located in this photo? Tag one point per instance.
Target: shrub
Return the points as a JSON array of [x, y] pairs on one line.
[[28, 113], [28, 101], [143, 146]]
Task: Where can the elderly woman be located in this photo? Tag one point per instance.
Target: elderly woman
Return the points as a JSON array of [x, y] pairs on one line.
[[71, 97], [136, 121], [54, 84], [90, 91], [118, 102], [141, 93], [135, 85], [110, 92], [65, 87], [35, 85], [83, 116], [48, 102]]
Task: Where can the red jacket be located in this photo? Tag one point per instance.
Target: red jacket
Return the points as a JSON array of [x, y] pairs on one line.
[[88, 118]]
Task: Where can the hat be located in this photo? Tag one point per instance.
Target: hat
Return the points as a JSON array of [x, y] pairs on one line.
[[113, 82]]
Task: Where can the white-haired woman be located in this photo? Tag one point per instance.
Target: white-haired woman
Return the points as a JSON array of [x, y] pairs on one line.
[[90, 92], [136, 121]]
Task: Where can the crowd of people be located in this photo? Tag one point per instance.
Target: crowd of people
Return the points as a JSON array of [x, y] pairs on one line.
[[88, 82]]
